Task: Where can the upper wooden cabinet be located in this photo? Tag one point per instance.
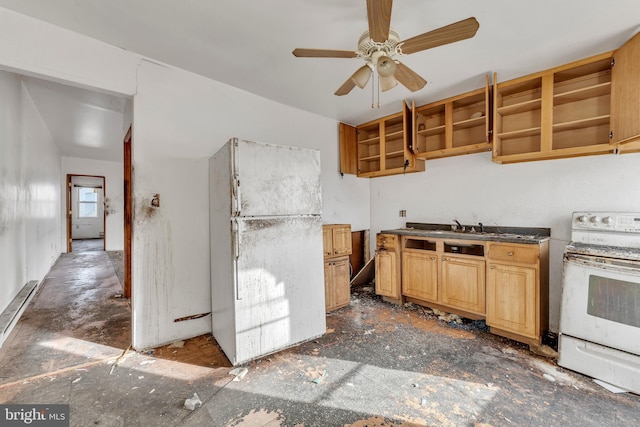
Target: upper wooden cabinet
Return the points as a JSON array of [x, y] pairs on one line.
[[382, 146], [625, 96], [591, 106], [454, 126], [562, 112]]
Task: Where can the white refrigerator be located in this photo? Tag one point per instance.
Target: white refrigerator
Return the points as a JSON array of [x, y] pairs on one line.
[[267, 274]]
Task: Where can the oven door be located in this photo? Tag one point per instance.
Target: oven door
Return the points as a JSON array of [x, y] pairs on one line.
[[601, 301]]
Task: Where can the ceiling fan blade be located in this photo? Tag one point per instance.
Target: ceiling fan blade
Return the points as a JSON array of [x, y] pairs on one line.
[[379, 15], [409, 78], [346, 87], [457, 31], [323, 53]]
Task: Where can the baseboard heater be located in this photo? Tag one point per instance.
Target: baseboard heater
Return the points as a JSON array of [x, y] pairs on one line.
[[12, 313]]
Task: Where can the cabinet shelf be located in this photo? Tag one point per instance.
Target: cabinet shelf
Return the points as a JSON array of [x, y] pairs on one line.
[[580, 124], [432, 131], [391, 154], [396, 134], [602, 89], [369, 141], [469, 123], [521, 107], [369, 158], [520, 133]]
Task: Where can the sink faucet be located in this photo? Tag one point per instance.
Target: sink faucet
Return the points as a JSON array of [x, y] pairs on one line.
[[460, 226], [481, 227]]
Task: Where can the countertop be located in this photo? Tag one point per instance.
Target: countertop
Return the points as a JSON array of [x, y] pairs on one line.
[[524, 235]]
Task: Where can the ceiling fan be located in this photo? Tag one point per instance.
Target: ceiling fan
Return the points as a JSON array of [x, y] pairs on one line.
[[378, 46]]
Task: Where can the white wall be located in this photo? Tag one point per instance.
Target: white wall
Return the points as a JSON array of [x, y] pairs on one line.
[[473, 189], [113, 173], [29, 191], [180, 119]]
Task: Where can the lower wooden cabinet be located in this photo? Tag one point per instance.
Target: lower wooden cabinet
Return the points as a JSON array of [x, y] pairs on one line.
[[387, 265], [463, 284], [420, 274], [511, 298], [337, 287], [336, 240], [518, 290], [504, 283]]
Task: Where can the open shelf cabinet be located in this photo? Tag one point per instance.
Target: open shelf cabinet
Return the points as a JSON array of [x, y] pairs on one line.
[[454, 126], [383, 146], [561, 112]]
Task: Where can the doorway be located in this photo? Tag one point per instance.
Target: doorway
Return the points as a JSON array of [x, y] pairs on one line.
[[86, 213]]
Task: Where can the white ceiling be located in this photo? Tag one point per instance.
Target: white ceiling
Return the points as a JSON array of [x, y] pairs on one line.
[[248, 44]]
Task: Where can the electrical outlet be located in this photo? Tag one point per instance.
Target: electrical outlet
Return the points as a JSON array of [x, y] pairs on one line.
[[403, 213]]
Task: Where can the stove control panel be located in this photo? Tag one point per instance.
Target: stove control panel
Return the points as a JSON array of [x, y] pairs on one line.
[[612, 222]]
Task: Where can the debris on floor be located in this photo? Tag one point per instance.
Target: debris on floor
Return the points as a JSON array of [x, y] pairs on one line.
[[239, 373], [193, 402], [177, 344]]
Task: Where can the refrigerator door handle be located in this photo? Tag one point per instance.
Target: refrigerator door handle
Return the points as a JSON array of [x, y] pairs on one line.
[[235, 190], [235, 236]]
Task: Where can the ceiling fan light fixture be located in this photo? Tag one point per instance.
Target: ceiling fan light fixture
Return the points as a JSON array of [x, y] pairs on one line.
[[386, 66], [362, 76], [387, 83]]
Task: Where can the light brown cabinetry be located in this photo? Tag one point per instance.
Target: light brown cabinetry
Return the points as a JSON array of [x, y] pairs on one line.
[[337, 289], [517, 291], [586, 107], [439, 273], [387, 265], [382, 146], [420, 269], [505, 283], [625, 96], [336, 239], [463, 284], [454, 126], [561, 112]]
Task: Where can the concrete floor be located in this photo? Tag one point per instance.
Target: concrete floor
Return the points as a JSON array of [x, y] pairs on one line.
[[377, 365]]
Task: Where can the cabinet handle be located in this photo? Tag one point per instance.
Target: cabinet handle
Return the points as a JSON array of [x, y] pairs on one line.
[[433, 257], [509, 253], [492, 267], [445, 259]]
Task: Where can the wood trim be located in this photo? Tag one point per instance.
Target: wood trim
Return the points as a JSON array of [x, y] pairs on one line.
[[68, 214], [128, 214]]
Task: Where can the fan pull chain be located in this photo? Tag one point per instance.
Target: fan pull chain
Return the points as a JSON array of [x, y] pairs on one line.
[[378, 91], [372, 91]]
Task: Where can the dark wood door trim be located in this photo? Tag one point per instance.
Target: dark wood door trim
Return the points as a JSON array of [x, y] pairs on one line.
[[128, 214]]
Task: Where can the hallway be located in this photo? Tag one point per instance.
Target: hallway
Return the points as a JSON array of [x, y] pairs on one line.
[[377, 365]]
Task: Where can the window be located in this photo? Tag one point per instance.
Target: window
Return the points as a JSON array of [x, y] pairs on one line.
[[87, 202]]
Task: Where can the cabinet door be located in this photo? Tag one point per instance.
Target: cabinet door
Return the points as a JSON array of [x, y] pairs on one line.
[[420, 275], [463, 283], [386, 274], [625, 92], [327, 240], [348, 149], [328, 286], [341, 285], [341, 236], [511, 299]]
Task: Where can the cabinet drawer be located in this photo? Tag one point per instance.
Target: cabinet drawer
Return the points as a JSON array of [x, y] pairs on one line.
[[514, 253], [386, 242]]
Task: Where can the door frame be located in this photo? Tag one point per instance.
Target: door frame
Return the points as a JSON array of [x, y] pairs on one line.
[[69, 211], [128, 213]]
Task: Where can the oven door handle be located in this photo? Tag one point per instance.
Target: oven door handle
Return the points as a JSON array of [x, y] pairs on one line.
[[601, 263]]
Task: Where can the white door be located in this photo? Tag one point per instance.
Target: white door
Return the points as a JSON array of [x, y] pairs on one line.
[[275, 180], [279, 284], [601, 302]]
